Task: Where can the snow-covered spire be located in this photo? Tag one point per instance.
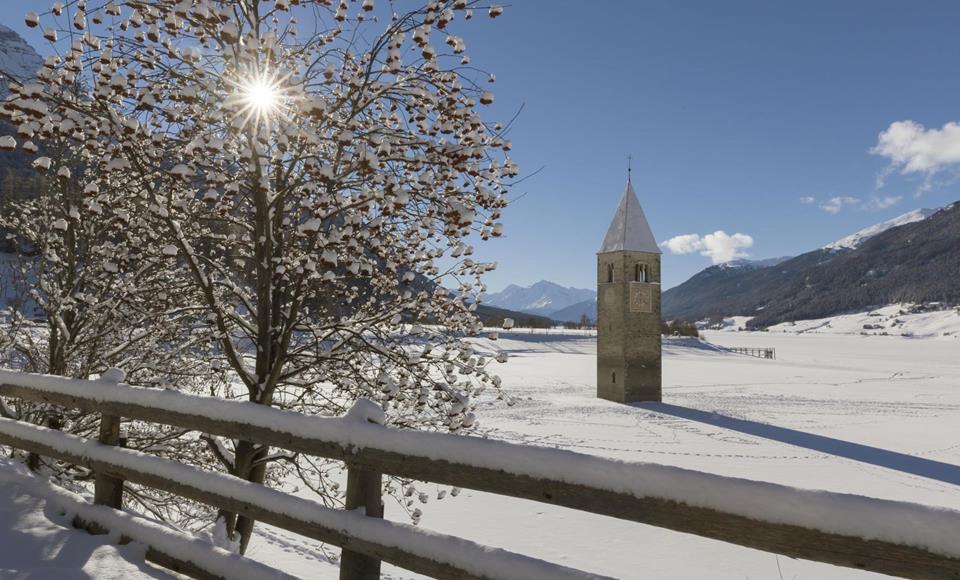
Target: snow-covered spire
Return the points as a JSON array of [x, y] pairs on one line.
[[629, 230]]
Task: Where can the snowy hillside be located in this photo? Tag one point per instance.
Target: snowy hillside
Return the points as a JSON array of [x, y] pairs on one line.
[[896, 320], [854, 240], [17, 58], [20, 61], [542, 298], [907, 320], [753, 264]]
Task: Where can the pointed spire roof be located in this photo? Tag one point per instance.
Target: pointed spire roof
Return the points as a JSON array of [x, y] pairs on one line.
[[629, 230]]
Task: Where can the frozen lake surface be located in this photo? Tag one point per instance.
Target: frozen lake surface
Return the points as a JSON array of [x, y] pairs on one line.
[[869, 415]]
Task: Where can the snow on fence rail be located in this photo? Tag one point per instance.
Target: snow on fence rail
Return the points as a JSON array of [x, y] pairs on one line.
[[885, 536], [165, 545], [434, 554]]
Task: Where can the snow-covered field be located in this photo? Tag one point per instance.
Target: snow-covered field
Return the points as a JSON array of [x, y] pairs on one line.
[[868, 415], [872, 415], [889, 320], [894, 320]]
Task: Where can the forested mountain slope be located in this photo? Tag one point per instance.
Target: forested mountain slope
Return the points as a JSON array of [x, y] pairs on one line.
[[915, 262]]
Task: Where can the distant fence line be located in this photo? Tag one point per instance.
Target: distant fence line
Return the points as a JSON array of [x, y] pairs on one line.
[[770, 353]]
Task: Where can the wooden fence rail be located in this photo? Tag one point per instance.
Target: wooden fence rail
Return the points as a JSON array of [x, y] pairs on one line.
[[302, 516], [562, 478]]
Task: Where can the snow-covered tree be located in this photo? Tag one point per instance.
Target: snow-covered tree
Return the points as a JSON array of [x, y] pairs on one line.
[[311, 191], [72, 245], [80, 307]]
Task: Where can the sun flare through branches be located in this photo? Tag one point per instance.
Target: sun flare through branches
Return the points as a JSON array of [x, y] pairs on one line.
[[259, 98]]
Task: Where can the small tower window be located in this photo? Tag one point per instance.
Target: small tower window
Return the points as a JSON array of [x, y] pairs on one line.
[[639, 272], [614, 377], [609, 272]]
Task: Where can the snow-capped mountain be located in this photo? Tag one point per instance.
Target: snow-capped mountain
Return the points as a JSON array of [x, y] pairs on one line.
[[911, 258], [542, 298], [20, 61], [17, 58], [854, 240], [751, 264]]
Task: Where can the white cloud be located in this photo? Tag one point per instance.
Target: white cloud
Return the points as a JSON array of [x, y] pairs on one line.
[[685, 244], [719, 246], [807, 200], [884, 202], [912, 148], [835, 204]]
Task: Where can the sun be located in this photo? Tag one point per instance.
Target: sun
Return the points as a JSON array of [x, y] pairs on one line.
[[260, 99], [261, 96]]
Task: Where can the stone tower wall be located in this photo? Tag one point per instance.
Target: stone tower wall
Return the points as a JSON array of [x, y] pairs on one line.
[[628, 327]]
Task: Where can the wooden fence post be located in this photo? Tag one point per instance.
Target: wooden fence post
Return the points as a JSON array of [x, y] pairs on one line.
[[364, 489], [108, 490]]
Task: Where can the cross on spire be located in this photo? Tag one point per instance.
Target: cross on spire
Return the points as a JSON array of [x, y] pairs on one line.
[[629, 166]]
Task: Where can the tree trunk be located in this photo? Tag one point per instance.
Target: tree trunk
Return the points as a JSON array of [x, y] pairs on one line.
[[229, 522], [248, 465]]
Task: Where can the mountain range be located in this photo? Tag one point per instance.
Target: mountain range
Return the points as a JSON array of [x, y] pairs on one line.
[[543, 299], [911, 258], [17, 58], [19, 61], [554, 301], [854, 240], [547, 299]]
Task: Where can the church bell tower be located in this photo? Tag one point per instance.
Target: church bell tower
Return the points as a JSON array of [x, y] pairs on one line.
[[628, 307]]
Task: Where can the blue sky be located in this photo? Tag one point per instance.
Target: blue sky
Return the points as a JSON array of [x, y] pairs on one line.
[[750, 117]]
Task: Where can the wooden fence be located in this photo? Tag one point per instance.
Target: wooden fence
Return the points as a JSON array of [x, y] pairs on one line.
[[770, 353], [506, 469]]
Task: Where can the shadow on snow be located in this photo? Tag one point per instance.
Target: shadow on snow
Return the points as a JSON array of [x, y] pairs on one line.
[[911, 464]]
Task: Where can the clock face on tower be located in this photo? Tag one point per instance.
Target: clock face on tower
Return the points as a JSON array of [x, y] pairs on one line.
[[641, 297]]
